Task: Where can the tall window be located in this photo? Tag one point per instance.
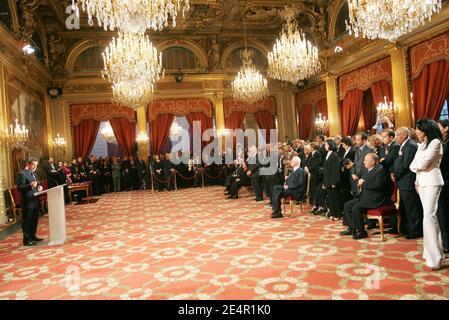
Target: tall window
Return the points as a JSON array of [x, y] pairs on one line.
[[180, 144], [102, 148], [444, 113]]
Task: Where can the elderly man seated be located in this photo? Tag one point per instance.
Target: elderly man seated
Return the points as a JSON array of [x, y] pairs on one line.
[[375, 192], [293, 186]]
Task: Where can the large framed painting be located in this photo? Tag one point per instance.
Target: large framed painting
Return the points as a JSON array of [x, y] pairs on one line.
[[27, 106]]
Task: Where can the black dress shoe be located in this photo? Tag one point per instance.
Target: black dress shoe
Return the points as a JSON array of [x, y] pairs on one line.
[[276, 215], [413, 236], [229, 197], [29, 243], [235, 197], [36, 239], [314, 210], [320, 211], [347, 232], [257, 200], [359, 235]]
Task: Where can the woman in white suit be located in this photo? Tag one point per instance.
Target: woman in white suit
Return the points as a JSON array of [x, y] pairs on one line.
[[429, 182]]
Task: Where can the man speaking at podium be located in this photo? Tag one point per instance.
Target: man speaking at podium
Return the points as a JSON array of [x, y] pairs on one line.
[[28, 184]]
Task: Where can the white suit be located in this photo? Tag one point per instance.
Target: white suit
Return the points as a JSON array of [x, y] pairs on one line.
[[429, 182]]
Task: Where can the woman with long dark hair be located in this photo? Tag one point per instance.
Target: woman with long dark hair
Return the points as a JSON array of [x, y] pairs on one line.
[[443, 202], [429, 182], [331, 178]]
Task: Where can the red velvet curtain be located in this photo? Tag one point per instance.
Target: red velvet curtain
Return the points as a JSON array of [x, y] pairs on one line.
[[235, 120], [84, 136], [265, 120], [125, 133], [306, 121], [159, 132], [369, 110], [350, 111], [206, 123], [381, 89], [430, 89]]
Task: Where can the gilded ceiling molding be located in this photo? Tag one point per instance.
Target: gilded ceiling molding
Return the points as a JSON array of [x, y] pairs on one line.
[[76, 51], [254, 44], [337, 5], [14, 15], [190, 45]]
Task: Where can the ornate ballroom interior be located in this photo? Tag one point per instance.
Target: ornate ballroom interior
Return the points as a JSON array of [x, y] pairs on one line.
[[55, 85]]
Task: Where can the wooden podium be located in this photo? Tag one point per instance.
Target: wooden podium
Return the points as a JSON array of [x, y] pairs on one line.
[[56, 214]]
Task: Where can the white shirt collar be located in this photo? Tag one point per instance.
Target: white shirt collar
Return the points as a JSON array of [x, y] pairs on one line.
[[295, 168]]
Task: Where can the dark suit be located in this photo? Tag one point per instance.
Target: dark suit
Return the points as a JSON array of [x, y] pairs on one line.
[[344, 186], [391, 152], [359, 157], [359, 167], [168, 165], [341, 151], [410, 205], [330, 181], [443, 203], [256, 179], [51, 170], [241, 179], [314, 164], [29, 204], [374, 194], [295, 184]]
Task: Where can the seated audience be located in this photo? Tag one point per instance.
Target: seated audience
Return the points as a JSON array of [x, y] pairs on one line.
[[241, 180]]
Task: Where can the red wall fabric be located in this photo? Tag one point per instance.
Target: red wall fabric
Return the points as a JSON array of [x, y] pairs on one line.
[[369, 110], [350, 112], [125, 133], [265, 120], [159, 132], [306, 121], [381, 89], [235, 120], [84, 135], [430, 89]]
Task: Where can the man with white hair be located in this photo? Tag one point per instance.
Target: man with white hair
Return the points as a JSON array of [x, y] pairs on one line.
[[293, 186]]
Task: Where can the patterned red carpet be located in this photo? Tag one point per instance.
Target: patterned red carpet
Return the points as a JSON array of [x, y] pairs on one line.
[[194, 244]]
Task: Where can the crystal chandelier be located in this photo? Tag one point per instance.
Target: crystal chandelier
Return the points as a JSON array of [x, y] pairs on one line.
[[249, 86], [17, 136], [321, 124], [108, 134], [385, 109], [388, 19], [293, 58], [134, 15], [133, 65], [133, 93]]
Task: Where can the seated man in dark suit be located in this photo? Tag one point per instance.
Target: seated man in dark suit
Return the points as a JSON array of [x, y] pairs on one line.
[[375, 192], [294, 186], [240, 180], [28, 185]]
